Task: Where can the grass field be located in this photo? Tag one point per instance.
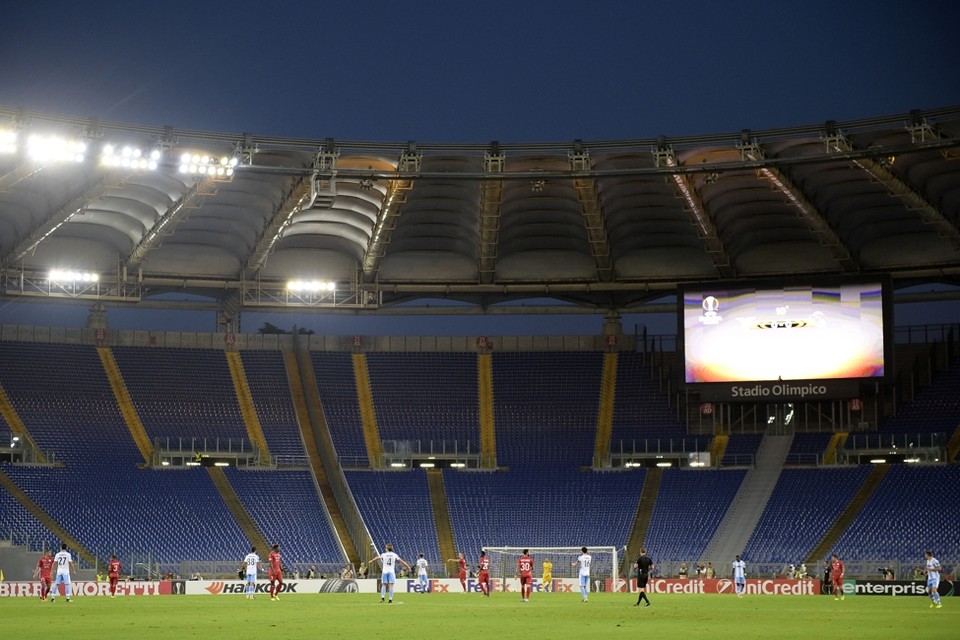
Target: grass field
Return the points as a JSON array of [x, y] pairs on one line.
[[450, 616]]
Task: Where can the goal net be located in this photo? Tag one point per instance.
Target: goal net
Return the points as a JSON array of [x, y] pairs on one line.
[[603, 561]]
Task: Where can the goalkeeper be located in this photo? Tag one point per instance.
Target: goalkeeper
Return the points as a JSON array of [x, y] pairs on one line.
[[547, 575]]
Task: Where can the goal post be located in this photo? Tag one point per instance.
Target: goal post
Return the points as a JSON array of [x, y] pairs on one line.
[[604, 561]]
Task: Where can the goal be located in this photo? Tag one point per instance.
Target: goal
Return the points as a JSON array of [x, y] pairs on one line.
[[603, 561]]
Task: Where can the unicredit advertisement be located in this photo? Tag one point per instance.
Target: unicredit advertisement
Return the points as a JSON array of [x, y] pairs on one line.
[[754, 586]]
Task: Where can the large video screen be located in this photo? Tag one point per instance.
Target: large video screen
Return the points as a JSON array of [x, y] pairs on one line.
[[771, 333]]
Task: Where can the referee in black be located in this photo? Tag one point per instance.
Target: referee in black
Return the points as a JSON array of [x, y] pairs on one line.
[[643, 565]]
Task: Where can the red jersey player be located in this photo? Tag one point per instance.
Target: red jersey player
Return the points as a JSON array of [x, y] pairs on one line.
[[836, 574], [483, 573], [525, 566], [44, 567], [113, 572], [275, 572], [462, 567]]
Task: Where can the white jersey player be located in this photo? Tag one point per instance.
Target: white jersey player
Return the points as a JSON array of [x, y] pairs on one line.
[[251, 562], [584, 562], [422, 581], [388, 560], [63, 561]]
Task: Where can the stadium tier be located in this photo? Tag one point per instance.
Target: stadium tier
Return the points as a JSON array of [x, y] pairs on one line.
[[808, 448], [426, 397], [267, 379], [165, 515], [20, 526], [546, 403], [641, 411], [546, 412], [288, 511], [803, 506], [397, 510], [182, 393], [741, 449], [62, 394], [341, 406], [689, 506], [913, 509], [540, 505], [935, 408]]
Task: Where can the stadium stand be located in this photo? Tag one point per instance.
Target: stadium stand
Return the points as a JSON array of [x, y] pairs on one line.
[[641, 411], [396, 507], [689, 506], [182, 393], [541, 506], [338, 393], [267, 379], [804, 503], [288, 511], [808, 448], [908, 507], [546, 403], [741, 449], [546, 415], [426, 397], [62, 395], [935, 408], [19, 525], [164, 515]]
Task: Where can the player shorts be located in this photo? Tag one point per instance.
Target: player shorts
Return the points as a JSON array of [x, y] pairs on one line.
[[584, 581], [483, 576], [526, 579], [62, 578], [642, 581], [388, 578], [933, 585], [275, 575], [251, 577]]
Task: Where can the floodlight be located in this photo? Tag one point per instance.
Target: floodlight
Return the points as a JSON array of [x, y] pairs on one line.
[[664, 464], [71, 276], [55, 149], [878, 461], [427, 465], [221, 464], [911, 460], [458, 465], [398, 465], [311, 286], [129, 157], [206, 165], [8, 141]]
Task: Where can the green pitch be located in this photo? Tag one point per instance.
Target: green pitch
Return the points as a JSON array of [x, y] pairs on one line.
[[446, 616]]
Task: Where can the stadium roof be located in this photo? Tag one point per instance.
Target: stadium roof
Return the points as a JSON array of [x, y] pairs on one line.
[[601, 224]]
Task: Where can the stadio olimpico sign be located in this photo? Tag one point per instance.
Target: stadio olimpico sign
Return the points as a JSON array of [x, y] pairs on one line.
[[776, 391]]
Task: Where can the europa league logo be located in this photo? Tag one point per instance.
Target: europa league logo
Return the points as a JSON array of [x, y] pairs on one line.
[[711, 306]]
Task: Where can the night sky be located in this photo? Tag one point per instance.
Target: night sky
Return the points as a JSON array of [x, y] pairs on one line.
[[478, 71], [465, 71]]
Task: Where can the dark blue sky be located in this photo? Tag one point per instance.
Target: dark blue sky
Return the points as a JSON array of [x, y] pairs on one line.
[[472, 72], [478, 71]]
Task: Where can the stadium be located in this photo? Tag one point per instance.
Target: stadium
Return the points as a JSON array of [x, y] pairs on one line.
[[129, 442]]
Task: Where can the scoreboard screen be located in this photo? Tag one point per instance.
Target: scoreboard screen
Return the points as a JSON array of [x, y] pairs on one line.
[[740, 333]]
